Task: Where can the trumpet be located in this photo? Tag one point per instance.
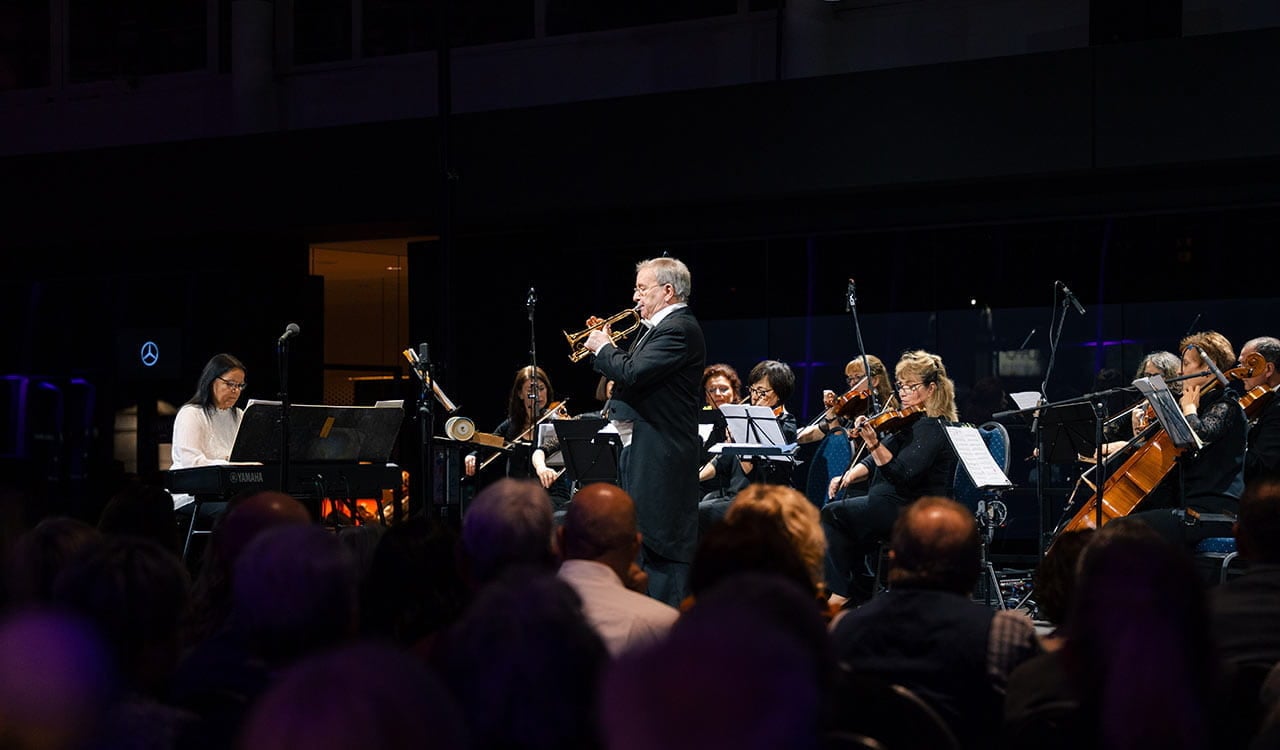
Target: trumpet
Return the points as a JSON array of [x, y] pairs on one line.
[[577, 341]]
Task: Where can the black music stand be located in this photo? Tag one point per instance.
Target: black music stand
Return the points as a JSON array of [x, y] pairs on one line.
[[589, 455], [1069, 430], [318, 433]]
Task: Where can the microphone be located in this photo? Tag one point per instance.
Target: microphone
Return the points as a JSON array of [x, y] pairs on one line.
[[1222, 379], [423, 356], [1071, 298], [290, 331], [851, 297], [533, 298]]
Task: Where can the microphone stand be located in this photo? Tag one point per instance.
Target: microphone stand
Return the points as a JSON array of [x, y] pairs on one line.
[[533, 382], [426, 421], [282, 351], [1055, 333], [851, 307]]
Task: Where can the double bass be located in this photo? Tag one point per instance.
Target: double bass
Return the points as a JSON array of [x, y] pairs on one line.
[[1147, 466]]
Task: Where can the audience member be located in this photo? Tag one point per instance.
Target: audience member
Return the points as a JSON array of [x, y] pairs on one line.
[[727, 675], [799, 519], [143, 510], [414, 587], [1054, 582], [57, 681], [1137, 667], [507, 523], [1245, 611], [928, 634], [39, 554], [360, 695], [599, 542], [136, 593], [293, 593], [524, 665], [244, 518]]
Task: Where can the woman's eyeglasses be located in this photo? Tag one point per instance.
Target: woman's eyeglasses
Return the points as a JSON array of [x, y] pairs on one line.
[[759, 392], [234, 385], [908, 387]]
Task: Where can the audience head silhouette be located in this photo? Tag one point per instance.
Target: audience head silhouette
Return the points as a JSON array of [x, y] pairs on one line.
[[360, 695], [935, 545], [508, 523]]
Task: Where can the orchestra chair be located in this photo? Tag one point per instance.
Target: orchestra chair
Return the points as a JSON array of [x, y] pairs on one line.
[[830, 460], [1216, 553], [866, 706], [989, 511]]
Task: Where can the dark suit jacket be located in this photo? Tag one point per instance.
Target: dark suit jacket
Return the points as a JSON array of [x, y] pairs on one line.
[[658, 386]]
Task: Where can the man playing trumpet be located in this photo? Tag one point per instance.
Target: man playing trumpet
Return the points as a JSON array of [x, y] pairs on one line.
[[656, 397]]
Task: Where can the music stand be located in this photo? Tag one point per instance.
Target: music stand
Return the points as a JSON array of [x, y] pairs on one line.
[[589, 455], [755, 433], [318, 433], [1069, 430]]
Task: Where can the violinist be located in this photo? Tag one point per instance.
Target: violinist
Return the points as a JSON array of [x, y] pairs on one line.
[[531, 395], [1262, 456], [1209, 480], [856, 400], [908, 456], [1135, 420], [720, 385], [771, 384]]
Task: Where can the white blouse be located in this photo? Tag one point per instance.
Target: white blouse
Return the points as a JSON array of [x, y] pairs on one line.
[[201, 438]]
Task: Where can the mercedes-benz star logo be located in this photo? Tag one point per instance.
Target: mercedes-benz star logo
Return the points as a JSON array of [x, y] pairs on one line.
[[150, 354]]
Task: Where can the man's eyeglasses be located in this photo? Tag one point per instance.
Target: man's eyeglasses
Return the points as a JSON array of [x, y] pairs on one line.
[[641, 289], [908, 387], [234, 385], [759, 392]]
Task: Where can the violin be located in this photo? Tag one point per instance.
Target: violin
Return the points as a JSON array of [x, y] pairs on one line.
[[852, 404], [892, 421], [1256, 400]]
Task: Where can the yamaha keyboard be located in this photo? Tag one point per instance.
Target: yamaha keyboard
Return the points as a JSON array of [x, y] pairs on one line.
[[306, 480]]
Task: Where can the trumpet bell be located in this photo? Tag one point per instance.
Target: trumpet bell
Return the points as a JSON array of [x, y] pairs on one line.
[[577, 340]]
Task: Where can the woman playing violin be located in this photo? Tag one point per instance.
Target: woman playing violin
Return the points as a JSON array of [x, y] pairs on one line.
[[1262, 457], [720, 385], [856, 400], [1211, 479], [771, 384], [528, 401], [908, 456]]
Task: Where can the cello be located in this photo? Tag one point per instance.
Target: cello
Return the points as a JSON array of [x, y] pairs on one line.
[[1148, 465]]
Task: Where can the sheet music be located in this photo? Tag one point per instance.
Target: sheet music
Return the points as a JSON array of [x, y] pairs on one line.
[[704, 431], [972, 451], [1168, 412], [1025, 399], [754, 428]]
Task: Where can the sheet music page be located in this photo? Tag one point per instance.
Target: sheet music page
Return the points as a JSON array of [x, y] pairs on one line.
[[972, 451], [1025, 399], [1168, 412], [704, 431]]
